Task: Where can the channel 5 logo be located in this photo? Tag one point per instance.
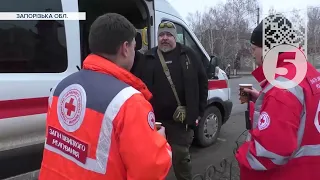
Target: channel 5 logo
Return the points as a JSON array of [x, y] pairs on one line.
[[297, 58]]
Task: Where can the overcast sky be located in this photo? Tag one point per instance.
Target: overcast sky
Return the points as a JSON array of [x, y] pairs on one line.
[[186, 6]]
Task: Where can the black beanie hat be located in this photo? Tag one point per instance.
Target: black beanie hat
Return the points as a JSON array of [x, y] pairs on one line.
[[257, 34]]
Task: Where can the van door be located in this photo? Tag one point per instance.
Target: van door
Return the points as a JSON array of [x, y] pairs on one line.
[[217, 87], [135, 11], [33, 58], [150, 29]]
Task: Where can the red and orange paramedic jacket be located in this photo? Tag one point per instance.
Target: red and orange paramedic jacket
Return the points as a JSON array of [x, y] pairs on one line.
[[284, 143], [101, 126]]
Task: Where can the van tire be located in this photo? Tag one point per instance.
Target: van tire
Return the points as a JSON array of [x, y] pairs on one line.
[[215, 114]]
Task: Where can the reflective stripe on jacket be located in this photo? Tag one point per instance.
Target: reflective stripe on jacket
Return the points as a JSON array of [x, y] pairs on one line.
[[284, 143], [101, 126]]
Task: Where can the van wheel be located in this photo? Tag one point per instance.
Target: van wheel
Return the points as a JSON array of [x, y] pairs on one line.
[[209, 126]]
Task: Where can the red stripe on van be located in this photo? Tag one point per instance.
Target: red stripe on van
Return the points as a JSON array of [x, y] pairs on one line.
[[217, 84], [33, 106], [23, 107]]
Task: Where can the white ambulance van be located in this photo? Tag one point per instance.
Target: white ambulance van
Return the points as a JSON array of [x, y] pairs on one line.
[[36, 55]]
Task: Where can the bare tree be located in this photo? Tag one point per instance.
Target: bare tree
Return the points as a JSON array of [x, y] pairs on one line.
[[224, 29], [313, 30], [308, 26], [195, 22], [314, 35]]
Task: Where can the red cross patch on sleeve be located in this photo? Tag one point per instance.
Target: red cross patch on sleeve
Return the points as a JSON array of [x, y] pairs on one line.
[[264, 121], [151, 120]]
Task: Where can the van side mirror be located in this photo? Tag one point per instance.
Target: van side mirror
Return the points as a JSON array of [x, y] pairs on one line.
[[212, 68], [213, 61]]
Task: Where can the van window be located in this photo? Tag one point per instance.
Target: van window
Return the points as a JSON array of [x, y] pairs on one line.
[[144, 38], [180, 36], [185, 38], [133, 10], [31, 46]]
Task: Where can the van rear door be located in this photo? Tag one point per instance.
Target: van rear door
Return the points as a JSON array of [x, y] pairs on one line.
[[135, 11], [151, 9], [34, 57]]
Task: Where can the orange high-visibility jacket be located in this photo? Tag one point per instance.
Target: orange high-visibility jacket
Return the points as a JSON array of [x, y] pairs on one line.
[[100, 125]]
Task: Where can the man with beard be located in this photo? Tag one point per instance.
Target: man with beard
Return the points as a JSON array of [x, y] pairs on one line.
[[177, 79]]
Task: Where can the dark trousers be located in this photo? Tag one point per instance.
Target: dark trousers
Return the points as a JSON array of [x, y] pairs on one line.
[[180, 140]]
